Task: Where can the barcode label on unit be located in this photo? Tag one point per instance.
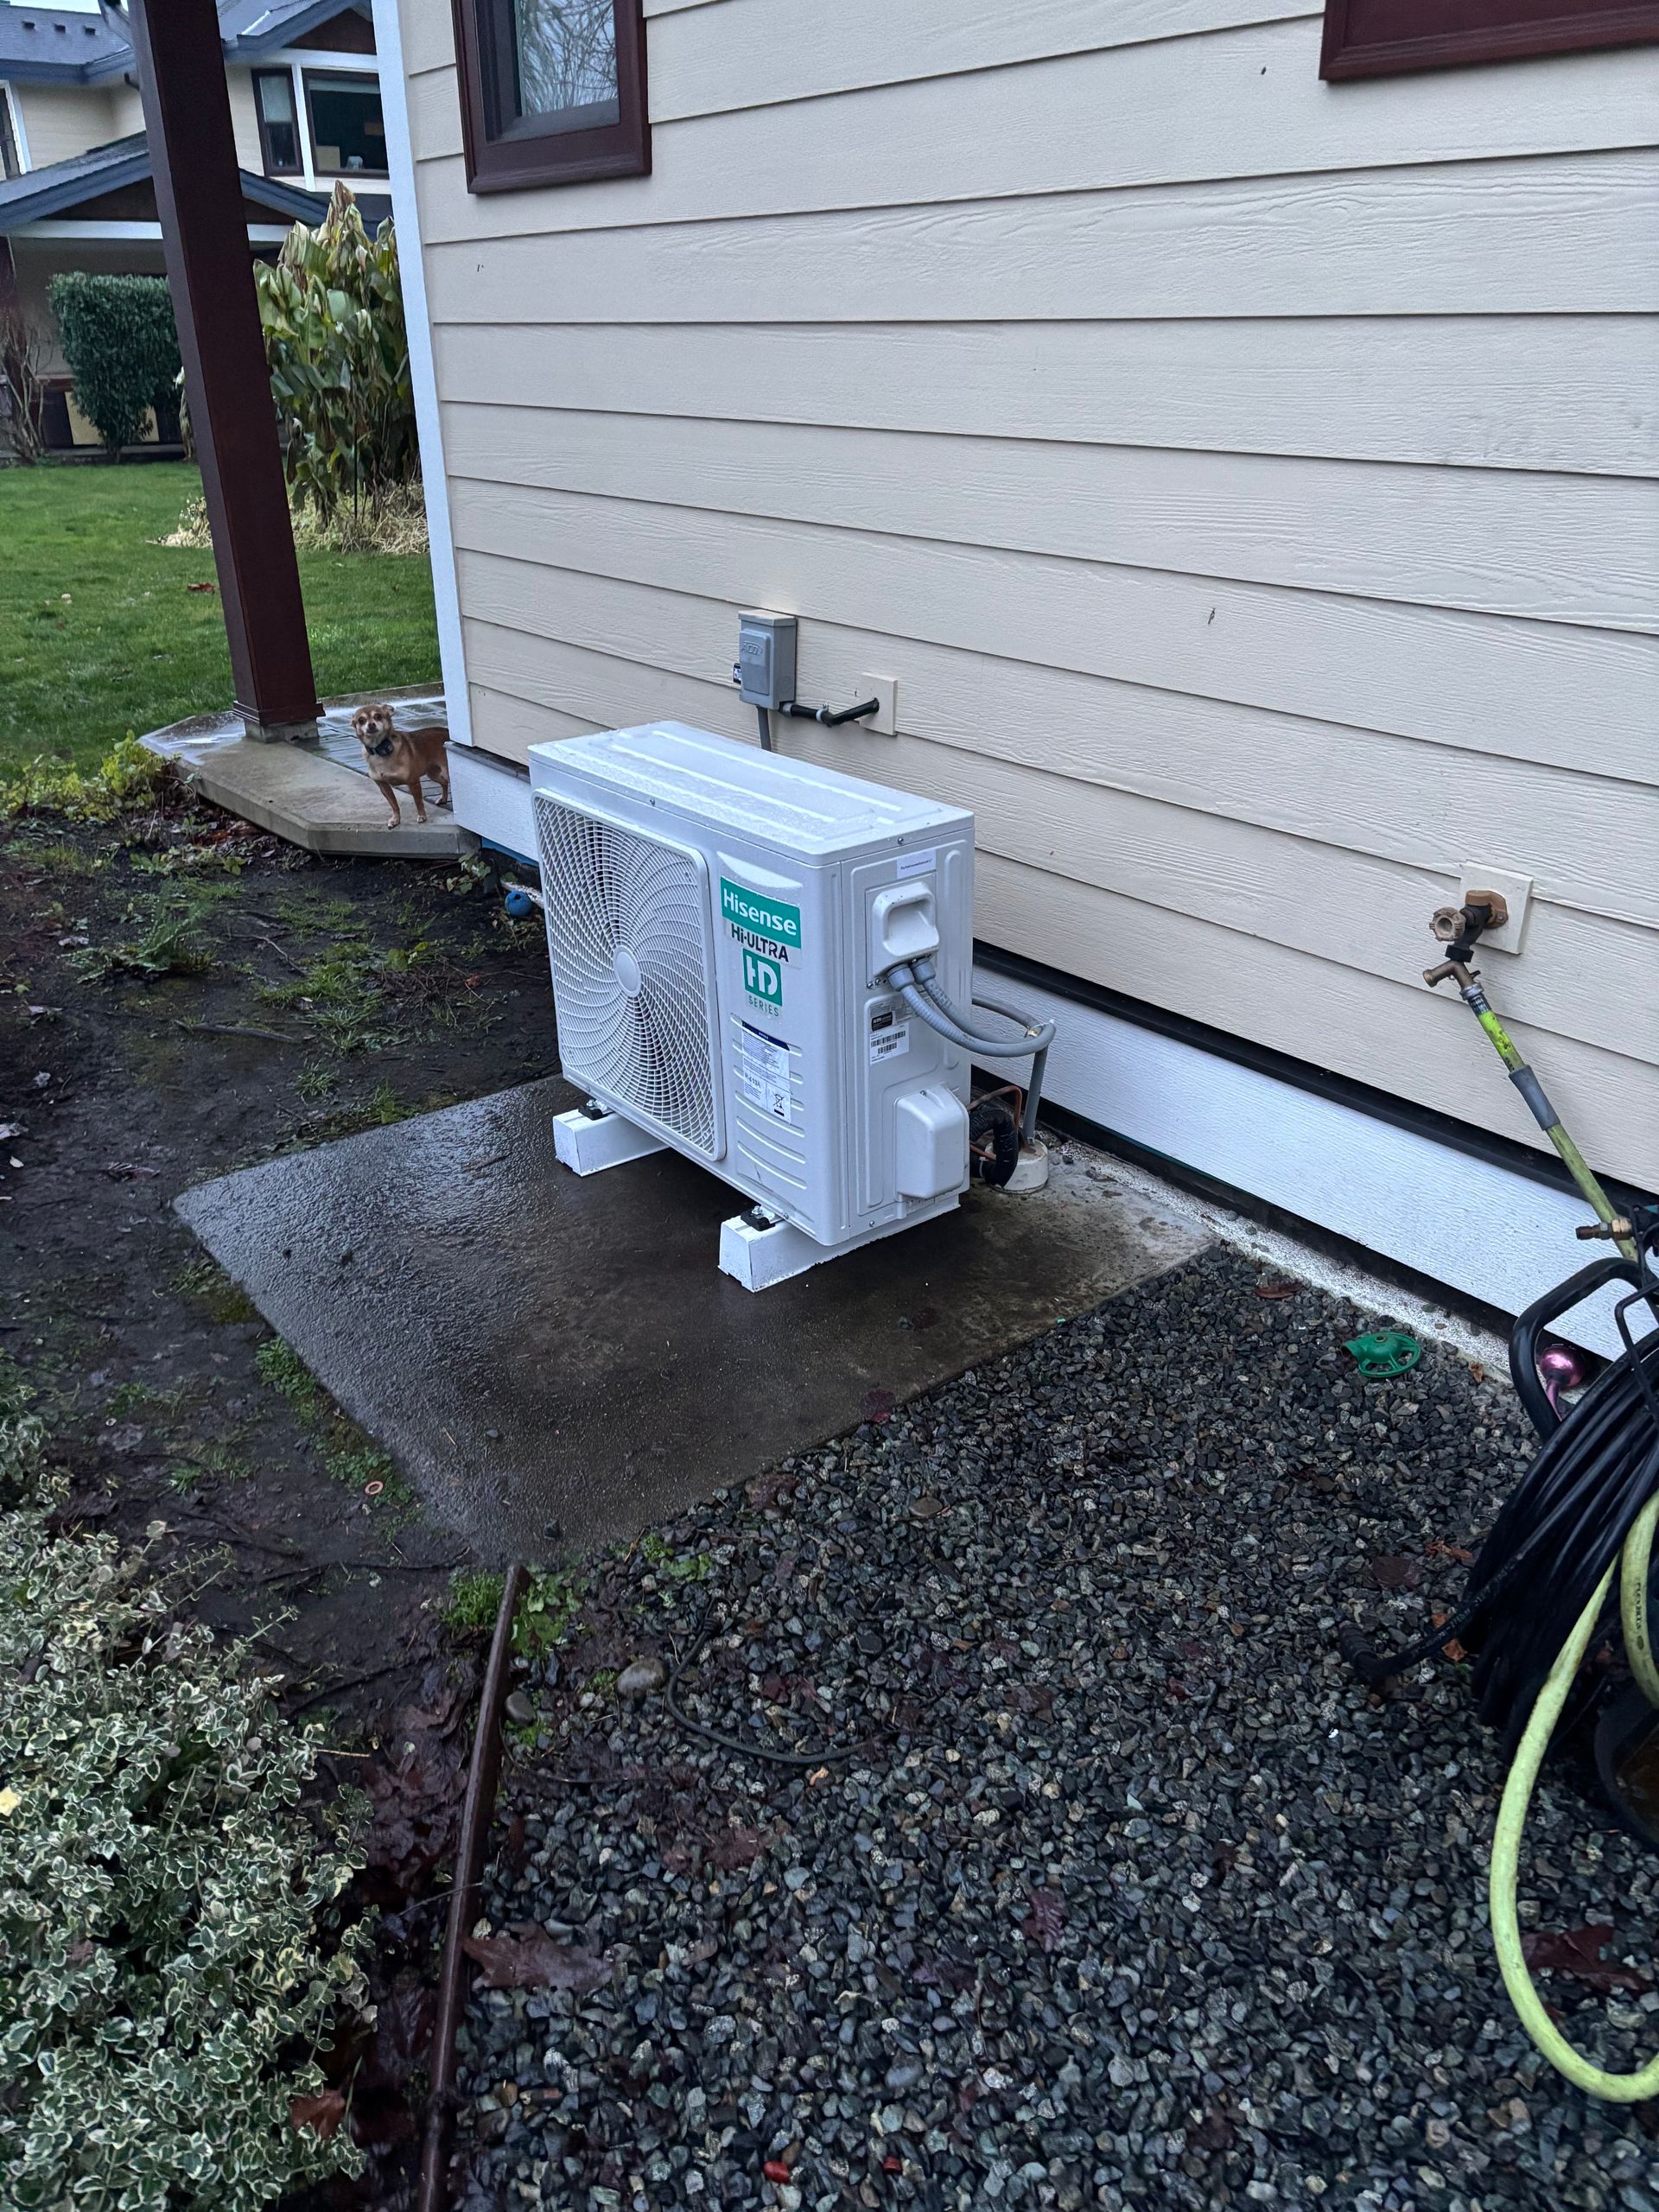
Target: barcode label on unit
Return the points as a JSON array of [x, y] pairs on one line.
[[918, 863], [887, 1043]]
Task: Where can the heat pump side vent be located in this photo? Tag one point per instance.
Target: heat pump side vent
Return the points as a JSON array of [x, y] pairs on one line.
[[628, 924]]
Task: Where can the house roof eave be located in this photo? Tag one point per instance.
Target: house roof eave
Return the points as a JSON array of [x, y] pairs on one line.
[[269, 28], [275, 27], [20, 69], [63, 186]]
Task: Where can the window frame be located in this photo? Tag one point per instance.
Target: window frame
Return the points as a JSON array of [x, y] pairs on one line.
[[11, 108], [1572, 29], [298, 167], [355, 77], [518, 160]]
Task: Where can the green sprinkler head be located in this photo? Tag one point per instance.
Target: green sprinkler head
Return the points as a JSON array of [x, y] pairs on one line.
[[1386, 1353]]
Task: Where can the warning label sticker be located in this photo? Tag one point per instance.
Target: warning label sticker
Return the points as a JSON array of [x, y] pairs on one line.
[[888, 1043], [763, 1070]]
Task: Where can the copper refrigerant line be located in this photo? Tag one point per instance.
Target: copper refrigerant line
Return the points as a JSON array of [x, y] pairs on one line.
[[478, 1811], [1460, 929], [478, 1814]]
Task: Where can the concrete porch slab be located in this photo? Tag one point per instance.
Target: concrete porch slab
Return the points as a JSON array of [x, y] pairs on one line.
[[319, 796], [554, 1359]]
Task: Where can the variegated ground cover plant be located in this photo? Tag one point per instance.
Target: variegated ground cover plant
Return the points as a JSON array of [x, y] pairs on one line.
[[169, 1964]]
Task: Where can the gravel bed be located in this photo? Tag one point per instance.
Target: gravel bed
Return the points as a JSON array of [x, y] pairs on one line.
[[1119, 1890]]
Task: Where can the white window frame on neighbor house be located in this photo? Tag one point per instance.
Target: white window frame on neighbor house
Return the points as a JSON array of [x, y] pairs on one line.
[[298, 63], [14, 110]]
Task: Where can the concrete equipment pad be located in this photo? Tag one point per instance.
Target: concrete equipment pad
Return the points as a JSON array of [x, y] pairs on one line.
[[318, 796], [553, 1358]]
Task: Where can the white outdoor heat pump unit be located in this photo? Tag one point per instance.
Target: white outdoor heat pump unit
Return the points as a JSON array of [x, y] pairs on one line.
[[722, 924]]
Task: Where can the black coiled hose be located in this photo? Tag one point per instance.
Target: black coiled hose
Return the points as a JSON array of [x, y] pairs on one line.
[[1558, 1534], [1566, 1523]]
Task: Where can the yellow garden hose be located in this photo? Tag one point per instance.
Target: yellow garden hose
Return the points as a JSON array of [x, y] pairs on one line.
[[1461, 927], [1616, 2088], [1633, 1602]]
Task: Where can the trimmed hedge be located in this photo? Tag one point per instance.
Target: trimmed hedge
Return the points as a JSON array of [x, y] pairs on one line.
[[121, 347]]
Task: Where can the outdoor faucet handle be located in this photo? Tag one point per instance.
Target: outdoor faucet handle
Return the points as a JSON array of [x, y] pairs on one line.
[[1480, 911]]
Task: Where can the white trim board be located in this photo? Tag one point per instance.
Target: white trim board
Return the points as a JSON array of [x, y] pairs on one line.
[[491, 798], [309, 57], [423, 372], [20, 135], [105, 231], [1481, 1229], [1494, 1235]]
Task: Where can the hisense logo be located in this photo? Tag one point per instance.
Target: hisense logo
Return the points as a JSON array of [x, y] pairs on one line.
[[767, 917]]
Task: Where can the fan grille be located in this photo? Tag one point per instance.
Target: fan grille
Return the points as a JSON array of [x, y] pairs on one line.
[[626, 933]]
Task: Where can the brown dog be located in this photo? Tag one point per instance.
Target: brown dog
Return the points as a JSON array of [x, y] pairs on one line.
[[401, 756]]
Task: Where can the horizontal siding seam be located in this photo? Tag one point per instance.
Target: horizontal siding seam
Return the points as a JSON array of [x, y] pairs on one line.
[[991, 437], [1615, 626], [1643, 145], [1071, 560], [1153, 187], [1436, 864], [1596, 315], [1640, 318], [1587, 474], [1046, 60]]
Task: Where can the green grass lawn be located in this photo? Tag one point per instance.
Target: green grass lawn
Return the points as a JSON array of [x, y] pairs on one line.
[[100, 632]]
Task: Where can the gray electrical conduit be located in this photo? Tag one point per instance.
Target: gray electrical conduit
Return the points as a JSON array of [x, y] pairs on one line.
[[916, 983]]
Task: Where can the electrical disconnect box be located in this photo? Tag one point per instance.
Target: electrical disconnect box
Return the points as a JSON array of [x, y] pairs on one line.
[[764, 673]]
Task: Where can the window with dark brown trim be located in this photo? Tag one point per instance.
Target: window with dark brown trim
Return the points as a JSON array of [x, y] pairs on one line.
[[1379, 38], [552, 92], [348, 131], [279, 124]]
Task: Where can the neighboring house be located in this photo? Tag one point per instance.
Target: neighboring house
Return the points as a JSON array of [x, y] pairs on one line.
[[1245, 475], [75, 190]]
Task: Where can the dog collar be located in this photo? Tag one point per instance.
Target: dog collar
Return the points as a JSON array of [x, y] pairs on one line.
[[382, 748]]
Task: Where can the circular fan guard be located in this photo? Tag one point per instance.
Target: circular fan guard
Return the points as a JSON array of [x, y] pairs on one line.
[[610, 891]]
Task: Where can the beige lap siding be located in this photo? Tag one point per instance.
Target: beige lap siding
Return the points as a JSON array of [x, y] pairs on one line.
[[1249, 482], [63, 120]]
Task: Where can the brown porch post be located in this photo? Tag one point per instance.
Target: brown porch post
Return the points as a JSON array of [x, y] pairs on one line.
[[209, 268]]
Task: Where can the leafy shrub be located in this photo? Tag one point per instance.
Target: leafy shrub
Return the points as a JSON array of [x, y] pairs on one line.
[[126, 777], [121, 347], [22, 1438], [163, 1990], [332, 308]]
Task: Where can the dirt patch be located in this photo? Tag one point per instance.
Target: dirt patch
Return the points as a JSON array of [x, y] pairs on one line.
[[180, 995]]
